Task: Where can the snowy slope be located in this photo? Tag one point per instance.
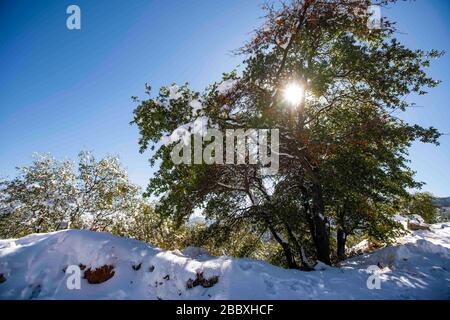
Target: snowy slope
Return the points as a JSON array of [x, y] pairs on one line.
[[33, 266]]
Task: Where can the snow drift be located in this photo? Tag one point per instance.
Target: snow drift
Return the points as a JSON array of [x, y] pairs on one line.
[[34, 267]]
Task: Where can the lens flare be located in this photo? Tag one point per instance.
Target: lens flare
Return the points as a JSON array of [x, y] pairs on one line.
[[293, 93]]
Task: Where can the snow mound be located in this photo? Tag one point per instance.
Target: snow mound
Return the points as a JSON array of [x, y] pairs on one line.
[[34, 267]]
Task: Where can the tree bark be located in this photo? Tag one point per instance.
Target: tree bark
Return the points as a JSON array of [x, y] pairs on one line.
[[304, 264], [341, 240], [320, 230]]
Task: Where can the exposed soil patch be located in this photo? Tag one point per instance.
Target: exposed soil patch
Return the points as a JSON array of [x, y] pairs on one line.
[[136, 267], [202, 281], [418, 226], [99, 275]]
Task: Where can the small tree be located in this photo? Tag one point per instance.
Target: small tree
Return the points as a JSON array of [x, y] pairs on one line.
[[39, 199], [146, 225], [49, 195], [421, 203]]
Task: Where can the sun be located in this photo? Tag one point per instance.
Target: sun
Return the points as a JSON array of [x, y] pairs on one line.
[[293, 93]]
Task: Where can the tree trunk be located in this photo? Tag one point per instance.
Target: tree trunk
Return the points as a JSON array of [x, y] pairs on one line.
[[304, 264], [38, 225], [341, 239], [320, 230], [290, 259]]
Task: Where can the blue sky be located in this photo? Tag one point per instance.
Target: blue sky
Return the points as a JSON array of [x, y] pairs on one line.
[[63, 91]]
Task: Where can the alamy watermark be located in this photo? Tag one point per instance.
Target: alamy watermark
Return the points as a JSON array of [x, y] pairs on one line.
[[374, 17], [73, 281], [373, 281], [73, 21], [231, 146]]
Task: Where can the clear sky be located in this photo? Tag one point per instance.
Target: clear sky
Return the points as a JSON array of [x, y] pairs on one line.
[[62, 91]]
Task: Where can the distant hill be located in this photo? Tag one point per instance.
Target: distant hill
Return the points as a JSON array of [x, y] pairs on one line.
[[441, 202]]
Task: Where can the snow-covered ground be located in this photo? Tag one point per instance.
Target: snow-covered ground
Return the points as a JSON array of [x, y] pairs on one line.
[[33, 268]]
